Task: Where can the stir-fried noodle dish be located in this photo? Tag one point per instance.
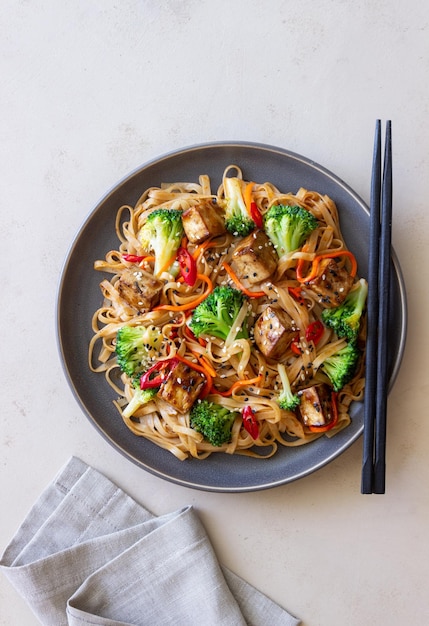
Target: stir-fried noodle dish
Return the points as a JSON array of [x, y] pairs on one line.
[[233, 319]]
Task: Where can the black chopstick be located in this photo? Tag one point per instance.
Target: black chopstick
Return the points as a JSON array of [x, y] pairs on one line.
[[379, 268]]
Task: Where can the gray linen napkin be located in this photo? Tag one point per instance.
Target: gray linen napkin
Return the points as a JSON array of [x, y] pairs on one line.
[[87, 553]]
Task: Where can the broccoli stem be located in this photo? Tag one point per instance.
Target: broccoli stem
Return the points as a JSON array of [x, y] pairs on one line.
[[140, 397], [287, 400]]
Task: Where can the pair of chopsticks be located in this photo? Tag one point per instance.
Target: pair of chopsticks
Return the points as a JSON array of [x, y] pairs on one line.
[[379, 269]]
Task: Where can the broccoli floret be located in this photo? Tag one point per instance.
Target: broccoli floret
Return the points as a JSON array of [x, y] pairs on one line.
[[287, 400], [136, 346], [140, 397], [162, 234], [345, 319], [288, 227], [340, 366], [237, 218], [216, 314], [213, 421]]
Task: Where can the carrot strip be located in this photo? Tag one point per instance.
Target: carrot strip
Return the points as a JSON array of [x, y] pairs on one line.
[[147, 259], [190, 364], [202, 247], [193, 303], [251, 206], [238, 384], [325, 255], [165, 267], [208, 366], [236, 280], [209, 373], [300, 265]]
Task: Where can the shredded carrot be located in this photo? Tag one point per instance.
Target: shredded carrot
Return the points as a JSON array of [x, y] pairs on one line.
[[193, 303], [165, 267], [326, 255], [200, 357], [209, 373], [247, 195], [190, 364], [206, 364], [202, 247], [240, 383], [236, 280], [147, 259], [300, 265]]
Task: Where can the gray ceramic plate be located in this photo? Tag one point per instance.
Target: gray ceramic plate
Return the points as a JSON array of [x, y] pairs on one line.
[[79, 296]]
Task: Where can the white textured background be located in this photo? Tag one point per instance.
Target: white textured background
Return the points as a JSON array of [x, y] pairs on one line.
[[92, 89]]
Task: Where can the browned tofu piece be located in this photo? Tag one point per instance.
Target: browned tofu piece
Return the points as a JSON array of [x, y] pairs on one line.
[[316, 405], [254, 258], [203, 221], [182, 387], [139, 288], [332, 283], [273, 332]]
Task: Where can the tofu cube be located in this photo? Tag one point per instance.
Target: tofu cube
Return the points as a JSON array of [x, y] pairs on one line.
[[182, 387], [139, 288], [332, 283], [255, 258], [274, 331], [202, 221], [316, 405]]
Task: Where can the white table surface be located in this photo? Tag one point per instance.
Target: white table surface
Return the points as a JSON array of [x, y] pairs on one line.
[[92, 89]]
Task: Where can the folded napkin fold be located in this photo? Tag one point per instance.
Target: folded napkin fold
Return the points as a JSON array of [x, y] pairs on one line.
[[87, 553]]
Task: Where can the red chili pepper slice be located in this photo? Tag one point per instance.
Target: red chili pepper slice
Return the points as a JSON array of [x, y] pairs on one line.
[[334, 420], [295, 345], [314, 332], [296, 294], [191, 335], [250, 423], [133, 258], [156, 375], [188, 266], [256, 215]]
